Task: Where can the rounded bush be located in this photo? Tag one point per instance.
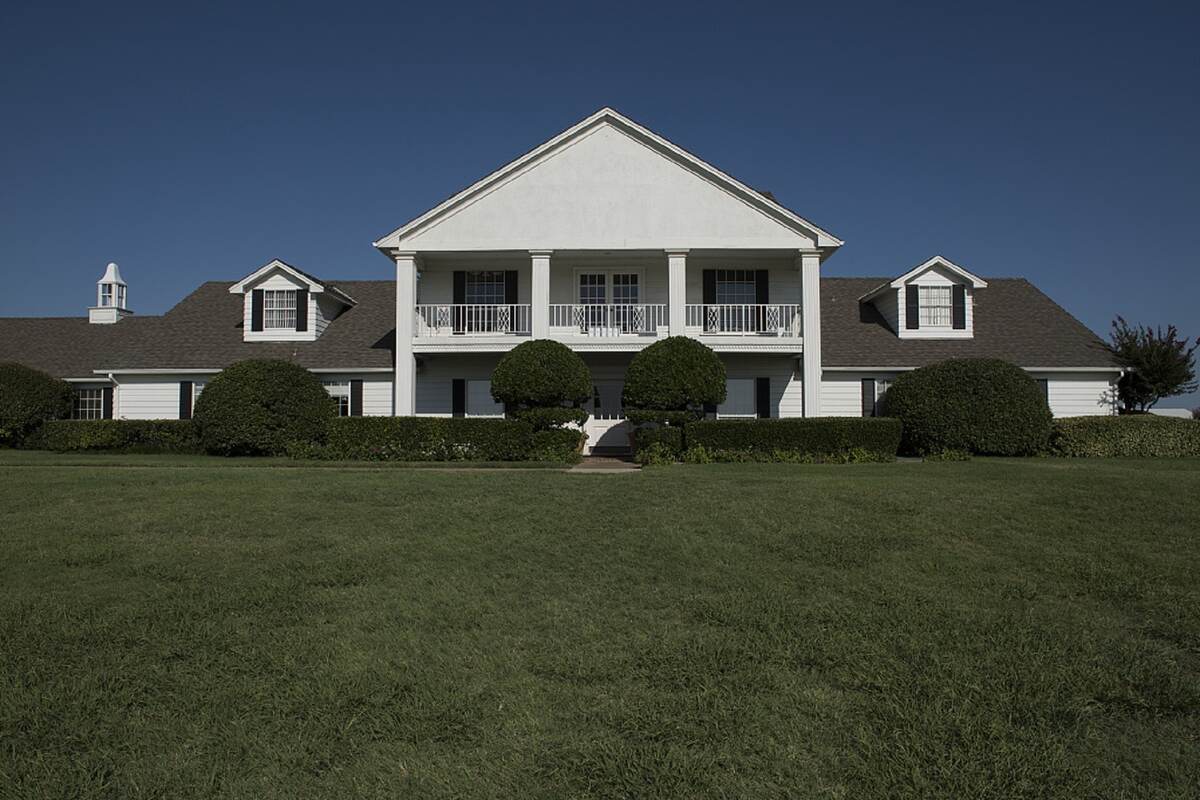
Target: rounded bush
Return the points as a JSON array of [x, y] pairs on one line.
[[262, 407], [28, 398], [975, 405], [674, 375], [541, 373]]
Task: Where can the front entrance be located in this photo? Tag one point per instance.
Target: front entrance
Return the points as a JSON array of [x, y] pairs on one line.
[[606, 428]]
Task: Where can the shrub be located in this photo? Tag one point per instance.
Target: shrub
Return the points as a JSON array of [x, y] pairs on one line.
[[677, 374], [430, 439], [121, 436], [541, 374], [29, 397], [656, 454], [811, 439], [548, 418], [1196, 413], [563, 445], [981, 406], [262, 407], [1141, 436], [697, 454], [667, 439]]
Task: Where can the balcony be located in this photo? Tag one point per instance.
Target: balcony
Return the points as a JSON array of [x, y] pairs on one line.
[[608, 320], [451, 319], [783, 321]]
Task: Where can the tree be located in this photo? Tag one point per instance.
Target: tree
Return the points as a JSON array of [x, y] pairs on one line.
[[1158, 364], [29, 397], [543, 382], [672, 381]]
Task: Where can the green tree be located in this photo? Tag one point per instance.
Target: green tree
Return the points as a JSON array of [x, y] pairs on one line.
[[1158, 363]]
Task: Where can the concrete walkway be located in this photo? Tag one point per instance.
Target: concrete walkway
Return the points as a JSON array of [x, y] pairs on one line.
[[605, 465]]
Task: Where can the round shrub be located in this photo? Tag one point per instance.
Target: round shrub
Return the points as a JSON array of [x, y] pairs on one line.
[[674, 375], [262, 407], [29, 397], [974, 405], [541, 374]]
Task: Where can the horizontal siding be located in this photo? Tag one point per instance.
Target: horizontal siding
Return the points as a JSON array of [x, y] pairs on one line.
[[154, 397], [787, 389], [436, 376], [841, 392], [1080, 395], [378, 393]]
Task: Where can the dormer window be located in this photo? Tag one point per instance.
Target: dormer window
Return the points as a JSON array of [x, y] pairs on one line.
[[279, 309], [936, 305]]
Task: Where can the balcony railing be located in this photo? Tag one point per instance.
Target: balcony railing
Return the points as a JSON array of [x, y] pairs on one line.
[[453, 319], [609, 320], [771, 319]]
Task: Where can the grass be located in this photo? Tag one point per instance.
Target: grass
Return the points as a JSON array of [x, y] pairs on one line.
[[991, 629]]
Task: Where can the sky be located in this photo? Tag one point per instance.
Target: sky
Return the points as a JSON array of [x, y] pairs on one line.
[[1052, 141]]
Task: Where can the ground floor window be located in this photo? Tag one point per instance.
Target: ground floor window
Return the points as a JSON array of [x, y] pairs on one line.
[[339, 391], [739, 399], [88, 404]]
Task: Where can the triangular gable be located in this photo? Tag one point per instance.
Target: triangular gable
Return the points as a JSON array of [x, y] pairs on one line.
[[607, 182], [937, 262], [314, 285]]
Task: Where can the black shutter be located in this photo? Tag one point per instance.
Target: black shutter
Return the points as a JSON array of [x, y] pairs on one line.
[[762, 296], [710, 287], [958, 307], [1044, 385], [868, 397], [912, 308], [106, 405], [762, 397], [185, 399], [458, 397], [256, 310], [302, 309], [510, 287], [459, 298], [356, 397]]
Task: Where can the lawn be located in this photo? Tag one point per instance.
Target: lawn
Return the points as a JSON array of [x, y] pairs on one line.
[[991, 629]]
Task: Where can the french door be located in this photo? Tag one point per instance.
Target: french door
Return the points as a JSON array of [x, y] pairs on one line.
[[610, 301]]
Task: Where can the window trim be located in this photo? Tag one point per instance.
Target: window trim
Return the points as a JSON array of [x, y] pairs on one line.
[[78, 399], [343, 399], [925, 308], [282, 312]]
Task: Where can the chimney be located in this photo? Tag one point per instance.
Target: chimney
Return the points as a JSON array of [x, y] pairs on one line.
[[111, 298]]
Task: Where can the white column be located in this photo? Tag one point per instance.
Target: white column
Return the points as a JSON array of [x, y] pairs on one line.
[[809, 262], [539, 292], [676, 291], [405, 383]]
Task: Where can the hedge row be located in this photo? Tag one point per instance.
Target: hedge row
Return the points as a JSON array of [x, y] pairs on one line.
[[444, 439], [1135, 436], [797, 439], [119, 436]]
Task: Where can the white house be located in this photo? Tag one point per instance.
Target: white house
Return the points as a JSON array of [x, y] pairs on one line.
[[607, 237]]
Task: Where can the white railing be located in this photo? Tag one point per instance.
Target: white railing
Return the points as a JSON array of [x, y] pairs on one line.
[[770, 319], [451, 319], [638, 319]]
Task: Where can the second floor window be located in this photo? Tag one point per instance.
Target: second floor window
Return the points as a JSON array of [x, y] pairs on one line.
[[279, 309], [736, 287], [485, 288], [935, 306]]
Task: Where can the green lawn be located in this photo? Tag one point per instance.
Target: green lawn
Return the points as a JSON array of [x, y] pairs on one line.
[[991, 629]]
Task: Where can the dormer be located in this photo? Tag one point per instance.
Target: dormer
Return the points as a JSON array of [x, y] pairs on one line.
[[284, 304], [112, 298], [935, 300]]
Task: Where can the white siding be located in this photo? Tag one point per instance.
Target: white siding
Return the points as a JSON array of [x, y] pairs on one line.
[[783, 281], [787, 388], [436, 376], [150, 397], [326, 309], [841, 392], [278, 279], [378, 395], [934, 276], [436, 282], [1080, 394], [480, 402]]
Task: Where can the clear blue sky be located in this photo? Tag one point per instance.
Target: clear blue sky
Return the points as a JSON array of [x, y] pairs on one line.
[[1052, 141]]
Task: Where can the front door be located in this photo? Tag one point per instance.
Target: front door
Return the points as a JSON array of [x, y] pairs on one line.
[[606, 426]]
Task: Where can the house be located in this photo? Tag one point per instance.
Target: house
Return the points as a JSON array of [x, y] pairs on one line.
[[608, 238]]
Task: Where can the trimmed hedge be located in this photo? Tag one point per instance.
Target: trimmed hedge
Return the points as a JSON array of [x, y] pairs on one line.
[[976, 405], [669, 438], [121, 436], [443, 439], [677, 374], [541, 372], [29, 397], [1132, 436], [817, 439], [263, 407], [550, 417]]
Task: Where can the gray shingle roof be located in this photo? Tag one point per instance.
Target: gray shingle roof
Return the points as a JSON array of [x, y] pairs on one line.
[[1013, 320]]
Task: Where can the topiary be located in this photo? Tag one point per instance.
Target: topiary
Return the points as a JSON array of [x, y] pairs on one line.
[[542, 374], [976, 405], [677, 374], [262, 407], [28, 398]]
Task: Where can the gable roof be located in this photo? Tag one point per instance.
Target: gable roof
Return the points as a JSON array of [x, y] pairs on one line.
[[933, 263], [763, 201], [1014, 321], [314, 283]]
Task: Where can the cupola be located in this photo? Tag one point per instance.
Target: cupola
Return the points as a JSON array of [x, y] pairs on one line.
[[111, 298]]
